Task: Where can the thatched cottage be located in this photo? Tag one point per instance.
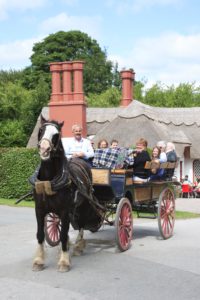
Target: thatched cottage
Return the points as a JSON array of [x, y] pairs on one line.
[[134, 119]]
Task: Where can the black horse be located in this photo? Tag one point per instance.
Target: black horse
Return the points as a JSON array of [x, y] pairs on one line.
[[65, 188]]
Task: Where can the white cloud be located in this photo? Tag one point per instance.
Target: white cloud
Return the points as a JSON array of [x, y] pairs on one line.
[[91, 25], [16, 55], [20, 5], [170, 58]]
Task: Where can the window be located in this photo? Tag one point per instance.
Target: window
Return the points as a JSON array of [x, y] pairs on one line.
[[196, 168]]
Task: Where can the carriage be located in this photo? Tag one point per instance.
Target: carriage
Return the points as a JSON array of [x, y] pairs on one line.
[[70, 192], [117, 196]]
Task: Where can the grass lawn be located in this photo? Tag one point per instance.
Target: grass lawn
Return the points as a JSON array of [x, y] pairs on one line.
[[24, 203], [11, 202]]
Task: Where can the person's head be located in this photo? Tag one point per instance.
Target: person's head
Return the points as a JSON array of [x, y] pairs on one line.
[[77, 131], [155, 152], [103, 144], [170, 147], [141, 144], [114, 144], [186, 177], [161, 145]]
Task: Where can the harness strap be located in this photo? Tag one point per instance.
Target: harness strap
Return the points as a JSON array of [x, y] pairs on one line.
[[50, 187]]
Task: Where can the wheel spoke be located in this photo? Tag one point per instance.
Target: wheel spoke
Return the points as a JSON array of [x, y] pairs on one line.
[[166, 215], [124, 224]]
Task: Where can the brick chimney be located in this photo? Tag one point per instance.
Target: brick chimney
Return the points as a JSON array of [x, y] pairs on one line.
[[67, 101], [128, 77]]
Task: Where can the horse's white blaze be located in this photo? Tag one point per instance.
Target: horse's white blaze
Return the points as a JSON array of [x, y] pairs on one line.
[[50, 130], [45, 143]]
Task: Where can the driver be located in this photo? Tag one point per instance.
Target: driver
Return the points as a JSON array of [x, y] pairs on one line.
[[77, 146]]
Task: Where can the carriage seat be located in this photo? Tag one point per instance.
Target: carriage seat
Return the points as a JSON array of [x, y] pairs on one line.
[[168, 166]]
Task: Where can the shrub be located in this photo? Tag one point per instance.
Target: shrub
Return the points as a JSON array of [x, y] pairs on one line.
[[16, 166]]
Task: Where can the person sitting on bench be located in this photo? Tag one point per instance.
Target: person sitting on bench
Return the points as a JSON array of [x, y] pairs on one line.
[[141, 156], [171, 157]]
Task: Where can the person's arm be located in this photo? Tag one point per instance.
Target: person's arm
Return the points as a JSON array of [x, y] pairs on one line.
[[67, 147], [88, 149]]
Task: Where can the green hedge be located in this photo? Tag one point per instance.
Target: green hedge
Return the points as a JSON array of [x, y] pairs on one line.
[[16, 166]]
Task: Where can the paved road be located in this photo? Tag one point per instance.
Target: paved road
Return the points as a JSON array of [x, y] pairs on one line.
[[151, 269], [188, 204]]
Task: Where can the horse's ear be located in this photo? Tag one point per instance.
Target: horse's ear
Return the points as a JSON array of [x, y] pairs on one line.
[[42, 119], [61, 124]]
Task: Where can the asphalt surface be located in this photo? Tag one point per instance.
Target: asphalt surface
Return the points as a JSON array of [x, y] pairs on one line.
[[188, 204], [151, 269]]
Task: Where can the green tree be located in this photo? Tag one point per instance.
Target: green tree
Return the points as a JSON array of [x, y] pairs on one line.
[[19, 110], [184, 95], [69, 46], [10, 76], [12, 133], [138, 90], [110, 98]]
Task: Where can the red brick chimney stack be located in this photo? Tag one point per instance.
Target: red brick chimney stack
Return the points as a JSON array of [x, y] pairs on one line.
[[67, 101], [67, 81], [55, 69], [128, 77]]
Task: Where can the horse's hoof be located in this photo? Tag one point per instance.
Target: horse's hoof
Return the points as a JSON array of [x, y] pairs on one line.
[[77, 252], [64, 268], [37, 267]]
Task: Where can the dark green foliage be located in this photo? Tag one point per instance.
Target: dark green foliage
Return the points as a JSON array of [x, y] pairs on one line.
[[16, 166]]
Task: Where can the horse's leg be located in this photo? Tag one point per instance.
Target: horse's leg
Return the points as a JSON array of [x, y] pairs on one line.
[[64, 263], [79, 243], [38, 262]]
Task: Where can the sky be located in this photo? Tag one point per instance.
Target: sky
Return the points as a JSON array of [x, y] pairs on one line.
[[159, 39]]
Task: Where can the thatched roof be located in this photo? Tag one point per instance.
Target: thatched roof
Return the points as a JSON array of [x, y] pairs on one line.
[[178, 125]]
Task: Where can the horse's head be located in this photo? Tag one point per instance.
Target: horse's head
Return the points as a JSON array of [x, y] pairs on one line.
[[49, 137]]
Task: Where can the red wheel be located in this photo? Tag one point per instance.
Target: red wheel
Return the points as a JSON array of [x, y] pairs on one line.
[[166, 213], [52, 228], [124, 224]]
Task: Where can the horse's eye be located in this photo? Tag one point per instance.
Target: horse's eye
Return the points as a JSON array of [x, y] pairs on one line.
[[40, 133], [55, 139]]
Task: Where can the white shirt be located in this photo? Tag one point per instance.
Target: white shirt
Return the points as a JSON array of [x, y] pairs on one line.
[[71, 146], [163, 157]]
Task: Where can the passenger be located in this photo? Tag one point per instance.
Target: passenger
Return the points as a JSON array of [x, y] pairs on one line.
[[162, 146], [114, 144], [171, 157], [77, 146], [141, 156], [162, 159], [102, 144], [155, 158]]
